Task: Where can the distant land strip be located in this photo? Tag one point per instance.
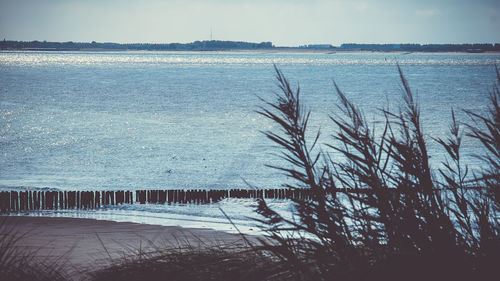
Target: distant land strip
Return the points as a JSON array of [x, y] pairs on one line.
[[216, 45]]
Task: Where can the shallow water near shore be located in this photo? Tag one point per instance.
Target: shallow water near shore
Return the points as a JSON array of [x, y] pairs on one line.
[[160, 120], [208, 216]]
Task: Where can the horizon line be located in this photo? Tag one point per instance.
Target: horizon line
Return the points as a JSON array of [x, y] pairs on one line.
[[252, 42]]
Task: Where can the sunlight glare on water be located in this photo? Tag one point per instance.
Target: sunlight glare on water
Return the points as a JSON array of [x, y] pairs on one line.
[[214, 58], [173, 120], [187, 120]]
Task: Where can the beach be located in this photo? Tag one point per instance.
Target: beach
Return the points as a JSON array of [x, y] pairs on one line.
[[87, 245]]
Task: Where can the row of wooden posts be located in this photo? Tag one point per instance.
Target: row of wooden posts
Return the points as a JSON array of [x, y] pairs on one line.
[[28, 200]]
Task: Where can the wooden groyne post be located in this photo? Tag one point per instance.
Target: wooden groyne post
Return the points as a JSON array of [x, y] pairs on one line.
[[35, 200]]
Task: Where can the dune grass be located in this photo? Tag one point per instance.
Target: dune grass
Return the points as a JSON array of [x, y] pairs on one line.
[[215, 263], [20, 263]]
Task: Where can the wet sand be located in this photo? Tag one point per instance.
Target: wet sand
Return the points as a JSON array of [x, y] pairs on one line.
[[87, 244]]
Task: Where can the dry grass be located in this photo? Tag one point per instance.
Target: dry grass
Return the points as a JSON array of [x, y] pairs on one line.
[[18, 263], [185, 262]]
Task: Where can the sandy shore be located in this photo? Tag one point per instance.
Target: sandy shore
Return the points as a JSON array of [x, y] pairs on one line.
[[90, 244]]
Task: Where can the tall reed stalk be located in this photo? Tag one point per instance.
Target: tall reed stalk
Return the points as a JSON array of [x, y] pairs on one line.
[[383, 212]]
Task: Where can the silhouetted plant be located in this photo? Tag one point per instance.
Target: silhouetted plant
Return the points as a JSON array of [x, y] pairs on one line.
[[224, 262], [19, 263], [382, 205], [485, 204]]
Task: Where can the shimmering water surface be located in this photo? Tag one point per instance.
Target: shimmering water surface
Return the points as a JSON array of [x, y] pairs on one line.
[[130, 120]]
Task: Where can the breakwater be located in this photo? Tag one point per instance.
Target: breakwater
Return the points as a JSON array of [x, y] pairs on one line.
[[32, 200]]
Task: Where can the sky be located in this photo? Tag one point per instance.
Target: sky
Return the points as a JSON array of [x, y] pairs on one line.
[[283, 22]]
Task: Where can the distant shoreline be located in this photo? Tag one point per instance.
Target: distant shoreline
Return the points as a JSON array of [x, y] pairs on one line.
[[277, 50], [238, 46]]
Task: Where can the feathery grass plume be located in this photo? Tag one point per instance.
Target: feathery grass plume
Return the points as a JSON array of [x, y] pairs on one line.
[[379, 207], [454, 178], [320, 240], [486, 202], [486, 129], [421, 217]]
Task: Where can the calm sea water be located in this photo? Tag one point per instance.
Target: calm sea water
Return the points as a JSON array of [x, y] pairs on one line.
[[128, 120]]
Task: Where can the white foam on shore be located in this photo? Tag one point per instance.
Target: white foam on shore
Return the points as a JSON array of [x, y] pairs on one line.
[[206, 216]]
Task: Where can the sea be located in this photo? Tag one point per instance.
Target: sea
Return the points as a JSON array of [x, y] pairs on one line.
[[189, 120]]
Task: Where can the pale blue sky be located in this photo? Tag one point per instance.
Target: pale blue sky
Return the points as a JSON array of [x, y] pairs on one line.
[[284, 22]]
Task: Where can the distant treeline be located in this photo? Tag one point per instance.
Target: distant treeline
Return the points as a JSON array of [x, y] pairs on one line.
[[471, 48], [194, 46], [215, 45]]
